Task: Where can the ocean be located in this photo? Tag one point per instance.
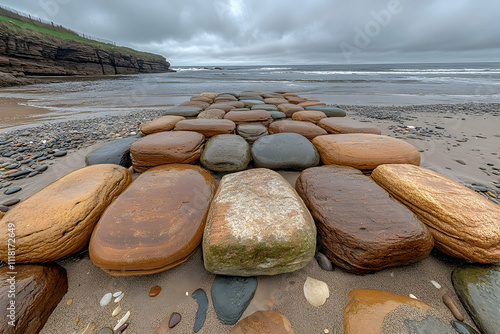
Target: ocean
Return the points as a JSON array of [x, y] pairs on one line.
[[371, 84]]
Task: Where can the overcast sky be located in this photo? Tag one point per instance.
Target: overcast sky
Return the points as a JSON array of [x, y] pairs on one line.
[[224, 32]]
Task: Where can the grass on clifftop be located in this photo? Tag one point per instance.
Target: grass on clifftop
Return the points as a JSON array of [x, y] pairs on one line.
[[61, 38]]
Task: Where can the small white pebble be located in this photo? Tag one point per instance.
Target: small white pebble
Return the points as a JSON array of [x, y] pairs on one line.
[[326, 331], [105, 299], [116, 311], [436, 284], [116, 294], [187, 293], [413, 296], [120, 297], [392, 275]]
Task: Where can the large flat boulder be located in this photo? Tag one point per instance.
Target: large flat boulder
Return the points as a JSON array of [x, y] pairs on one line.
[[207, 127], [222, 106], [313, 116], [464, 224], [367, 308], [252, 132], [289, 109], [160, 124], [478, 288], [284, 151], [329, 111], [198, 104], [362, 229], [249, 116], [212, 114], [174, 147], [257, 225], [339, 125], [365, 151], [117, 152], [306, 129], [226, 153], [58, 220], [156, 224], [38, 290]]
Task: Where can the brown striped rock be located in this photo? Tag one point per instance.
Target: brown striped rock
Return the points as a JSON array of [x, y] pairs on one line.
[[295, 99], [362, 229], [207, 127], [289, 109], [223, 106], [257, 225], [275, 100], [156, 224], [174, 147], [209, 95], [161, 124], [365, 151], [367, 308], [201, 98], [307, 129], [249, 116], [338, 125], [313, 116], [212, 114], [38, 290], [58, 220], [464, 224], [310, 103], [263, 322]]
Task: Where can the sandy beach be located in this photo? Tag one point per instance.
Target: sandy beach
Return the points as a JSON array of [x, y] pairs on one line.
[[462, 146]]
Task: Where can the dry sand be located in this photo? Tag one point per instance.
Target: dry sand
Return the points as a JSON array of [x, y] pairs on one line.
[[283, 293]]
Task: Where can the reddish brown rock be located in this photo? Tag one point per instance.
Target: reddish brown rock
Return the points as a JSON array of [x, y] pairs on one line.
[[276, 101], [263, 322], [313, 116], [289, 109], [38, 290], [162, 148], [365, 151], [58, 220], [165, 123], [295, 99], [307, 129], [155, 291], [338, 125], [209, 95], [225, 98], [286, 95], [271, 95], [202, 98], [311, 102], [212, 114], [223, 106], [1, 214], [199, 104], [362, 229], [367, 308], [249, 116], [156, 224], [207, 127], [464, 224]]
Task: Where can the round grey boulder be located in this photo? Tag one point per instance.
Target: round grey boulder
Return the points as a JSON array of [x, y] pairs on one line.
[[226, 153]]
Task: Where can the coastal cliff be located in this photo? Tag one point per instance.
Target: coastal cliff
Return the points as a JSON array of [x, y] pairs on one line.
[[28, 55]]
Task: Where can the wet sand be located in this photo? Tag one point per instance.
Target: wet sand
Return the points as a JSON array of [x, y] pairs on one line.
[[282, 293]]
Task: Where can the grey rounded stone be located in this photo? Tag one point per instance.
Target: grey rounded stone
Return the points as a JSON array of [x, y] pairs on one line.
[[226, 153], [268, 107], [277, 115], [11, 202], [323, 261], [116, 152], [60, 154], [12, 190], [231, 296], [284, 151], [252, 132], [329, 111], [253, 98], [106, 330], [252, 102]]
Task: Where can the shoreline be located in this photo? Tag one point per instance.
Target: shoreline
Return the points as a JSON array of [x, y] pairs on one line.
[[466, 133]]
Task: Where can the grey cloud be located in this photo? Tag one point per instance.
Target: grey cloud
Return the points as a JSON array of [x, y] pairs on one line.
[[279, 31]]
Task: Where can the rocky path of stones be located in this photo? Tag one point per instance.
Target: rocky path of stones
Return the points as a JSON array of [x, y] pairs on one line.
[[361, 202]]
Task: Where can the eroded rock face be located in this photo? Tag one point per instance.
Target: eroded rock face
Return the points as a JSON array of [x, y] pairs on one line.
[[156, 224], [166, 148], [362, 229], [38, 291], [58, 220], [307, 129], [165, 123], [338, 125], [367, 308], [365, 151], [207, 127], [464, 224], [257, 225], [263, 322]]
